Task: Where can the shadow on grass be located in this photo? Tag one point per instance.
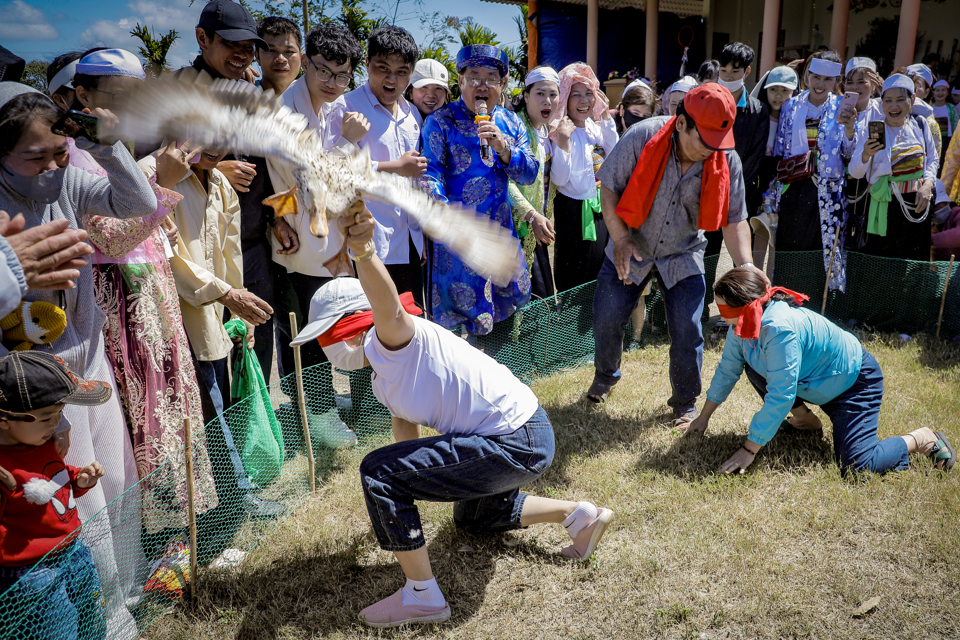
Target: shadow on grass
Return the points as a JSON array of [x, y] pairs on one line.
[[321, 593]]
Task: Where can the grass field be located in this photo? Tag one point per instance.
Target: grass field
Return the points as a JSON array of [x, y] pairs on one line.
[[789, 550]]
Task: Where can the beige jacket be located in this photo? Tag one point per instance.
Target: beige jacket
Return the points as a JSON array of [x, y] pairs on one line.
[[207, 261]]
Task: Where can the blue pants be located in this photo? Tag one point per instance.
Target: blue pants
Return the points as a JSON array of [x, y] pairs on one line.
[[214, 383], [59, 598], [481, 475], [855, 415], [613, 303]]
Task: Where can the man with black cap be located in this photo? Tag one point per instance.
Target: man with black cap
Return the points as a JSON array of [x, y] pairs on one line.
[[227, 35], [667, 182]]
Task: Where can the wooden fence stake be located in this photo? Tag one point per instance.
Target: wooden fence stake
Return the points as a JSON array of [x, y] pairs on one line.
[[943, 298], [191, 509], [302, 401], [826, 286]]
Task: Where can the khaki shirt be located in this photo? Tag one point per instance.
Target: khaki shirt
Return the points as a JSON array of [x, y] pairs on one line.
[[207, 260]]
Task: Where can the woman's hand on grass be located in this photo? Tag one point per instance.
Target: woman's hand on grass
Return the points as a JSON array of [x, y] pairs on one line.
[[738, 462]]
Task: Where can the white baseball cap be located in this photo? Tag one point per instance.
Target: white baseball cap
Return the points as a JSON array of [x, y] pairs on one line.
[[332, 301], [430, 71]]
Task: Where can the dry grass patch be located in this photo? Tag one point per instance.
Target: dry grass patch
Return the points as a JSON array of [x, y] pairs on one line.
[[790, 550]]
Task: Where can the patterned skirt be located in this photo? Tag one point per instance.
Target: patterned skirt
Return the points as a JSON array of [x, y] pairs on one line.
[[147, 346]]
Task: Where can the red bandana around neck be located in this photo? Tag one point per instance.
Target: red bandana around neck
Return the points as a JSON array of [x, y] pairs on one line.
[[353, 325], [638, 197], [750, 315]]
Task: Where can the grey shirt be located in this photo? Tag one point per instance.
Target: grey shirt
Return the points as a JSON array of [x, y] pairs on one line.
[[669, 238]]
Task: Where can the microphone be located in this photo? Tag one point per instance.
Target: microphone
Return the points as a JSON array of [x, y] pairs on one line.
[[486, 153]]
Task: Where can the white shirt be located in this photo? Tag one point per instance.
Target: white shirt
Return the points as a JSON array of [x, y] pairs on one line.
[[314, 251], [441, 382], [879, 165], [388, 139], [572, 172]]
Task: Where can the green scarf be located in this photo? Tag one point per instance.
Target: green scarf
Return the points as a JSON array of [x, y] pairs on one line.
[[880, 197], [587, 211]]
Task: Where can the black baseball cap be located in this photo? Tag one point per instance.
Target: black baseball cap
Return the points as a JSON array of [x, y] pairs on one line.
[[33, 380], [230, 21]]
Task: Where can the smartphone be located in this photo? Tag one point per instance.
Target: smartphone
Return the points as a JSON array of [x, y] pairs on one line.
[[877, 131], [849, 100], [77, 124]]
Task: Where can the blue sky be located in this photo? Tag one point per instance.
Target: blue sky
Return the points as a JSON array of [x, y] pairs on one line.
[[42, 29]]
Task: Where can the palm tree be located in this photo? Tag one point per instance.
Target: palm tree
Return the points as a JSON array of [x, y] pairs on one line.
[[473, 33], [154, 51]]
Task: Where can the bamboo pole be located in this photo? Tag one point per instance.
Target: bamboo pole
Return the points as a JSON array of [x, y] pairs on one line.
[[302, 401], [943, 297], [191, 509], [826, 286]]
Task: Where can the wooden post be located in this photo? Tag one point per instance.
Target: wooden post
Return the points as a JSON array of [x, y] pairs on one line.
[[533, 35], [191, 509], [943, 298], [306, 19], [826, 286], [771, 33], [907, 33], [651, 44], [593, 29], [302, 401]]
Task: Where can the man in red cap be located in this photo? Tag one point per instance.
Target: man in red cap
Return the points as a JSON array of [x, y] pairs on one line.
[[667, 182]]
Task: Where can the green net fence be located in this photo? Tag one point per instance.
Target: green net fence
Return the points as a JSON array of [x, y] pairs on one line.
[[132, 560]]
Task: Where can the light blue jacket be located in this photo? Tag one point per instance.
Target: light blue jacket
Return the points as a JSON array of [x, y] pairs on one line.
[[799, 352]]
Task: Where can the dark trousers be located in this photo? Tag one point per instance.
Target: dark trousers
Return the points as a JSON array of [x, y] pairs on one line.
[[855, 415], [214, 383], [258, 279], [575, 261], [541, 275]]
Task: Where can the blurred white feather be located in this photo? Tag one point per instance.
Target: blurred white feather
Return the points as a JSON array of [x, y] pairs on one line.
[[229, 115]]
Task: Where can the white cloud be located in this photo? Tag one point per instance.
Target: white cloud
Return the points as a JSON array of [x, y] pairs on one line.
[[159, 17], [23, 22]]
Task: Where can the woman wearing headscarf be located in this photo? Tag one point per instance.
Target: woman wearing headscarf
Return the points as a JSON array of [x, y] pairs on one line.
[[922, 78], [860, 77], [791, 354], [945, 113], [812, 202], [539, 101], [38, 181], [582, 132], [145, 340]]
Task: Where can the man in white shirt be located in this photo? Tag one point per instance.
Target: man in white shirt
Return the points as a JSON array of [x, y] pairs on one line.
[[392, 141], [332, 53]]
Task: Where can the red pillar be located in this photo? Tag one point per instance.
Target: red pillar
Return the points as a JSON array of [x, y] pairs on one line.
[[771, 33], [653, 27], [533, 35], [907, 36], [838, 27], [593, 28]]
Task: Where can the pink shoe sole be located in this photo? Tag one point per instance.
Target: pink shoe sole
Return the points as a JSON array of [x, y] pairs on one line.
[[391, 612], [590, 536]]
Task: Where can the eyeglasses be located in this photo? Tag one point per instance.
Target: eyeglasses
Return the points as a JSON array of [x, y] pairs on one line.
[[482, 82], [324, 75]]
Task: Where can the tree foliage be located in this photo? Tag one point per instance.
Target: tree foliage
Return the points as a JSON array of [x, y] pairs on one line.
[[153, 50], [35, 75]]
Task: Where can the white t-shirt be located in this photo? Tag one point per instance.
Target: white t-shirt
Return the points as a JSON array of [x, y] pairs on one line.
[[440, 381]]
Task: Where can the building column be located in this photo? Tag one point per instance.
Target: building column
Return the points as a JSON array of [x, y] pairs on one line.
[[907, 36], [593, 28], [771, 32], [533, 35], [838, 27], [653, 28]]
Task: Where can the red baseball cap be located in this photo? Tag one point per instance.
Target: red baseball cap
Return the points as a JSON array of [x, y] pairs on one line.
[[713, 110]]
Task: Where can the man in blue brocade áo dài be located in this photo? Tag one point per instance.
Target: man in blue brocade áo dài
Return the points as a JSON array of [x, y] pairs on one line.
[[457, 171]]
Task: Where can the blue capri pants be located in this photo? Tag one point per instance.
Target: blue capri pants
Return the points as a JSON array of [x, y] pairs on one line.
[[481, 475]]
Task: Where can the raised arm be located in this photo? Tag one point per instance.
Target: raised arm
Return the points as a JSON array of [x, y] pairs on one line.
[[394, 325]]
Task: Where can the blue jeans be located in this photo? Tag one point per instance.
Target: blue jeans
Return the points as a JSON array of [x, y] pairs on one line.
[[613, 303], [214, 383], [855, 415], [480, 474], [59, 598]]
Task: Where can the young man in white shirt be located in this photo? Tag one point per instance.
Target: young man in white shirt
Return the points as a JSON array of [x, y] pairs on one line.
[[392, 140], [332, 53]]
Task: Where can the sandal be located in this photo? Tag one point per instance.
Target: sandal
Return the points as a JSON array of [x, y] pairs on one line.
[[598, 392], [943, 455]]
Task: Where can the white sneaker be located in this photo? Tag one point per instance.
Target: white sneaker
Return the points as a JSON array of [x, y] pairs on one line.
[[329, 430]]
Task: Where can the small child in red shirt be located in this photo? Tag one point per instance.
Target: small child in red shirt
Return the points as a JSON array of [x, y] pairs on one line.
[[49, 585]]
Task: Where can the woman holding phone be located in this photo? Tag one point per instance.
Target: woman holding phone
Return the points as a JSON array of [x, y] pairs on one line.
[[861, 86]]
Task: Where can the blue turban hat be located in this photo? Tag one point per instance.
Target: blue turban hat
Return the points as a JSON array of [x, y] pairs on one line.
[[482, 55]]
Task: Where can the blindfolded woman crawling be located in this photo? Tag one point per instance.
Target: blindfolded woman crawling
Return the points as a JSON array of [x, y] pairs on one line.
[[494, 435], [792, 354]]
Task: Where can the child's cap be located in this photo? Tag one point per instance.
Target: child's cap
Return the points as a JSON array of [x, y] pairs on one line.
[[32, 380]]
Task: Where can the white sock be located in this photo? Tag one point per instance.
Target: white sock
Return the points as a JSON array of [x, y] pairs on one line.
[[583, 515], [426, 593]]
